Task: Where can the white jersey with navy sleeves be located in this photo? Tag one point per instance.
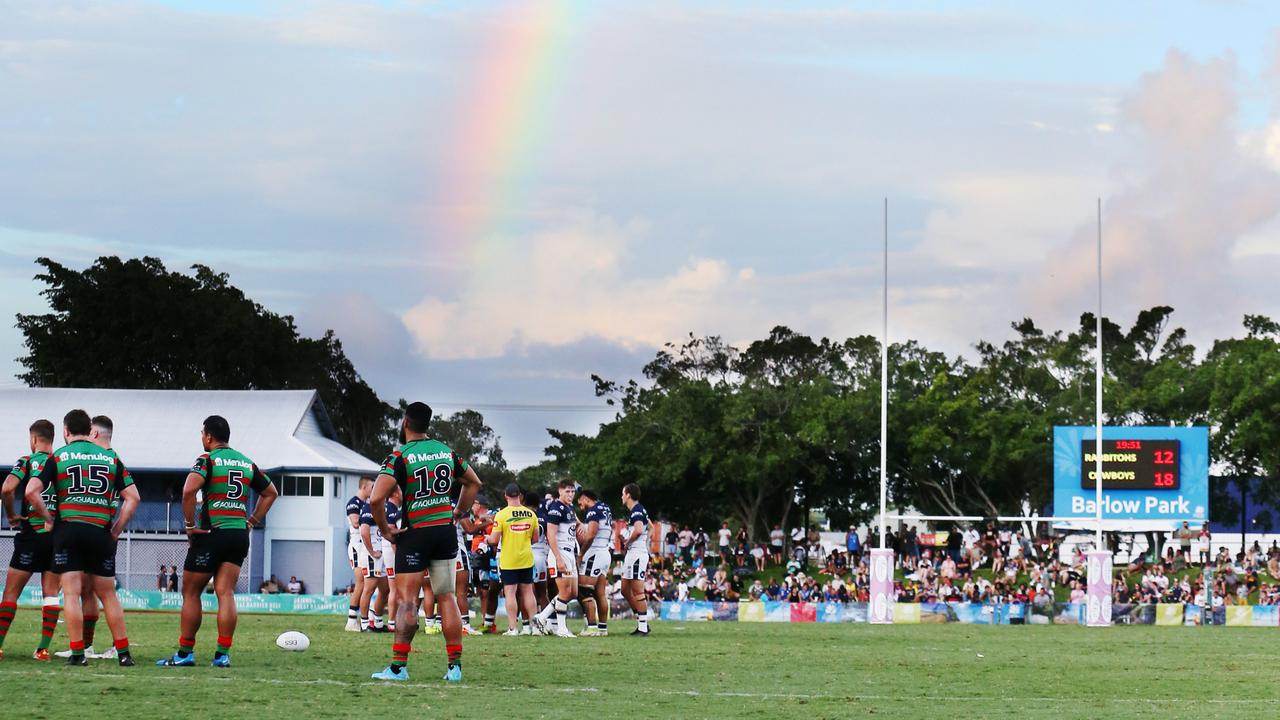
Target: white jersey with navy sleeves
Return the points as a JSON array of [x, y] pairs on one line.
[[355, 506], [637, 513], [601, 514], [566, 522], [541, 512]]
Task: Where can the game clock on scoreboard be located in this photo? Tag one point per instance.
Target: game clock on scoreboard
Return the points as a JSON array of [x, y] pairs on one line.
[[1132, 464]]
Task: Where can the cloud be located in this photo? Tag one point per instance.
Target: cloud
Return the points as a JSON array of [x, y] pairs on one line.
[[1189, 195], [570, 281]]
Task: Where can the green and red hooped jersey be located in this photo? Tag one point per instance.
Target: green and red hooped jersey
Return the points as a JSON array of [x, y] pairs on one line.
[[26, 468], [87, 478], [228, 475], [426, 471]]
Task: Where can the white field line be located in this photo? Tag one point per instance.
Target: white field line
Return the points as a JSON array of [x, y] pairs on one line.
[[179, 677]]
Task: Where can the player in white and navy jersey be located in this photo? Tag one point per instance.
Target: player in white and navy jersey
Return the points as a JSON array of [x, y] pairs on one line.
[[465, 528], [595, 536], [541, 548], [635, 557], [372, 565], [394, 502], [562, 558], [355, 507]]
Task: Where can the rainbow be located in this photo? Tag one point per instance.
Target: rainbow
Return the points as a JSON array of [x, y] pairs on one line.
[[502, 127]]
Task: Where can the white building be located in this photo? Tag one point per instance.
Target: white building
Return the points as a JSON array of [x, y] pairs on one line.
[[157, 435]]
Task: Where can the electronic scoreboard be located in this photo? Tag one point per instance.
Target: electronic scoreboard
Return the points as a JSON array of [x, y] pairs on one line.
[[1132, 464]]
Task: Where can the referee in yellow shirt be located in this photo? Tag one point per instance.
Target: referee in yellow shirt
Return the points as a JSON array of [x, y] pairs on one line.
[[516, 527]]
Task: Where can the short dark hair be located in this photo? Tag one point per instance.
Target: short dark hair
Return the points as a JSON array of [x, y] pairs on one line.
[[633, 490], [567, 482], [42, 429], [76, 422], [103, 422], [417, 417], [590, 495], [531, 499], [218, 428], [513, 490]]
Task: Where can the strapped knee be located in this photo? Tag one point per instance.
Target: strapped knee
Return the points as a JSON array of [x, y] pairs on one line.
[[442, 576]]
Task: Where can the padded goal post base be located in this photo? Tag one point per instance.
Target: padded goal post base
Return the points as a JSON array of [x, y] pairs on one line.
[[880, 609], [1098, 595]]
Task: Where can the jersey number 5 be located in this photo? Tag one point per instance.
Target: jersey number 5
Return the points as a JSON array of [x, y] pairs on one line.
[[235, 484]]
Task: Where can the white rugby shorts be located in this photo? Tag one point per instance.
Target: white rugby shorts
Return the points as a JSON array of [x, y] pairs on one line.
[[635, 564], [368, 565], [595, 563], [571, 564]]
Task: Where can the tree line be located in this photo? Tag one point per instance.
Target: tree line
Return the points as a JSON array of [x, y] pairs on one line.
[[766, 434], [789, 425]]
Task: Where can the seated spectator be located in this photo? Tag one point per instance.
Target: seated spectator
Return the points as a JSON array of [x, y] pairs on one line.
[[774, 590], [758, 555], [295, 586], [1077, 592]]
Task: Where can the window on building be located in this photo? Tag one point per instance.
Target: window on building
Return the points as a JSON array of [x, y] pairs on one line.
[[300, 485]]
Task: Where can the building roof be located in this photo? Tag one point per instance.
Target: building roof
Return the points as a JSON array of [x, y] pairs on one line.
[[159, 430]]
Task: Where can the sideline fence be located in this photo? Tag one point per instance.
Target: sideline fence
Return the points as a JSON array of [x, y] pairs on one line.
[[1168, 614]]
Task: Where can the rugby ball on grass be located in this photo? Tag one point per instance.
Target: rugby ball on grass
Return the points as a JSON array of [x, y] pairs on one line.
[[293, 640]]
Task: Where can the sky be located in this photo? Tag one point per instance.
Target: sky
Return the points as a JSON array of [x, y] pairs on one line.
[[489, 202]]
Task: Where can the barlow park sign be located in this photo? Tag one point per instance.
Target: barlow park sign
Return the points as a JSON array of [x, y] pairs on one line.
[[1152, 477]]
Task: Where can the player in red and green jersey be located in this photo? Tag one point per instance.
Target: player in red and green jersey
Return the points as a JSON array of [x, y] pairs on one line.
[[84, 541], [33, 545], [426, 471], [219, 539], [100, 431]]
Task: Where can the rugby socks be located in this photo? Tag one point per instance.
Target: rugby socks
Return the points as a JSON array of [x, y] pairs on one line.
[[48, 621], [77, 649], [7, 611], [604, 626], [122, 647], [489, 620], [399, 656], [90, 622], [224, 646], [454, 652], [644, 623], [391, 623], [353, 612], [186, 646]]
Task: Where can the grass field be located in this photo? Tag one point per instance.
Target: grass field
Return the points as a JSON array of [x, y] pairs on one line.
[[694, 670]]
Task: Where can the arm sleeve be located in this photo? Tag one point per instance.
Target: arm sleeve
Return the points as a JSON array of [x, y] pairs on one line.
[[201, 466], [49, 472], [123, 478], [554, 515], [260, 481]]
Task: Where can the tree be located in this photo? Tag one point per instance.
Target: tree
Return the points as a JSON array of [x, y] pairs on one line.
[[133, 324], [467, 434]]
